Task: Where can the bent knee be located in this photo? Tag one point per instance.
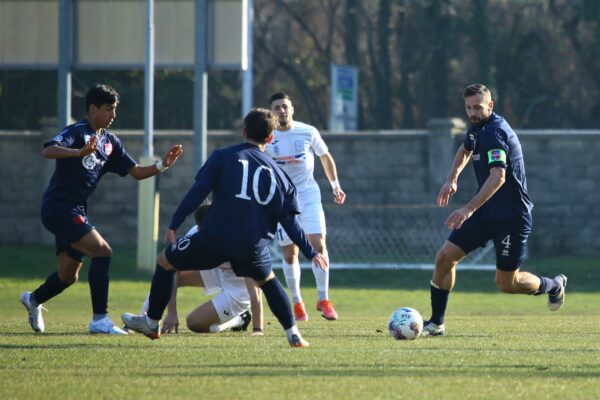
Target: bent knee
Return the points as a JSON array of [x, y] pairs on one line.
[[445, 258], [290, 259], [162, 261], [107, 250], [103, 250]]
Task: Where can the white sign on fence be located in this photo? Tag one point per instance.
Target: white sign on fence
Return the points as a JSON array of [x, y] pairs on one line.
[[343, 106]]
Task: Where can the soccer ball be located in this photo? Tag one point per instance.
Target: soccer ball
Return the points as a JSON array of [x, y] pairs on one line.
[[405, 324]]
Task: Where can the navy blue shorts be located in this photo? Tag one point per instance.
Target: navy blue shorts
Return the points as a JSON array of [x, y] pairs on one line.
[[509, 236], [68, 224], [201, 252]]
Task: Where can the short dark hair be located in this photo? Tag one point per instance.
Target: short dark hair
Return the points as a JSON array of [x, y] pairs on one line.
[[279, 96], [200, 213], [475, 89], [259, 124], [100, 94]]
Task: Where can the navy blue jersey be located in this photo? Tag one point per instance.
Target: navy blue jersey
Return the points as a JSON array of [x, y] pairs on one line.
[[250, 195], [75, 178], [495, 144]]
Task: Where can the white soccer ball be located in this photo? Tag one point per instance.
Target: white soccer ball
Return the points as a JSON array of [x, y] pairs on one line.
[[405, 324]]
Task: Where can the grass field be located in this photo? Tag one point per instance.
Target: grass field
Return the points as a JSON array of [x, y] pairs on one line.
[[498, 346]]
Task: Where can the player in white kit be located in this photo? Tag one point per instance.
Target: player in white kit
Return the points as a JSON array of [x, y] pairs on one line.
[[293, 148], [238, 300]]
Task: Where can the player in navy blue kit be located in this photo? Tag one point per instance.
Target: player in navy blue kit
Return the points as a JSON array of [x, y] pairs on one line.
[[250, 195], [84, 152], [500, 211]]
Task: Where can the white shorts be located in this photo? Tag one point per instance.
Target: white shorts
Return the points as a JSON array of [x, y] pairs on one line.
[[233, 298], [312, 221]]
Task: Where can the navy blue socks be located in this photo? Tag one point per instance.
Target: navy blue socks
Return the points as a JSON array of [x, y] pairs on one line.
[[47, 290], [160, 292], [547, 285], [98, 281], [439, 302], [278, 302]]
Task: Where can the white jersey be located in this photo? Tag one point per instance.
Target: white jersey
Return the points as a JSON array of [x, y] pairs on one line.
[[222, 279], [294, 151]]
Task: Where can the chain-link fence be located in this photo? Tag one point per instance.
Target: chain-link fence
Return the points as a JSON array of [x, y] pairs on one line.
[[390, 234]]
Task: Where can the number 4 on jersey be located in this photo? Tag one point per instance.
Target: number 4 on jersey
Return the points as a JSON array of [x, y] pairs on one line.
[[506, 242]]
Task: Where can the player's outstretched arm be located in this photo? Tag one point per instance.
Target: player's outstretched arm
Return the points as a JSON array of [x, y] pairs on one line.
[[54, 152], [138, 172], [450, 186]]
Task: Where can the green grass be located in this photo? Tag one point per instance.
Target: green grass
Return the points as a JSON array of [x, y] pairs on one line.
[[498, 346]]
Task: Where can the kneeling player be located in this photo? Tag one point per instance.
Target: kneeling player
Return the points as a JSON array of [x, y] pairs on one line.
[[237, 300]]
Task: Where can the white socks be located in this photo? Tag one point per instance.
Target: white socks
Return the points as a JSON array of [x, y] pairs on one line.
[[292, 280], [232, 323], [322, 279]]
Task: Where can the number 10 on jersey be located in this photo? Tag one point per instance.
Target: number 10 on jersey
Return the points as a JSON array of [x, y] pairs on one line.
[[255, 181]]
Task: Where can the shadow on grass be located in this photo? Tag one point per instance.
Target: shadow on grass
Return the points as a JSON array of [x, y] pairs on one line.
[[36, 262], [409, 369]]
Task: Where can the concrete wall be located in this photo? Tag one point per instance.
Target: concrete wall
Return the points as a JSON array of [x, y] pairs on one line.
[[378, 170]]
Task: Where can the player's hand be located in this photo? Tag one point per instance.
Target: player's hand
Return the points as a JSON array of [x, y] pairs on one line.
[[172, 155], [447, 190], [170, 323], [321, 261], [89, 147], [458, 217], [170, 237], [339, 196]]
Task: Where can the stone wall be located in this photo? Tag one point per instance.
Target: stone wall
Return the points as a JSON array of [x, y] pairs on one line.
[[398, 171]]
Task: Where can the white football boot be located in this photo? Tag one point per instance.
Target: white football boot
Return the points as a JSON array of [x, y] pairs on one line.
[[35, 313], [557, 300], [431, 329], [105, 326]]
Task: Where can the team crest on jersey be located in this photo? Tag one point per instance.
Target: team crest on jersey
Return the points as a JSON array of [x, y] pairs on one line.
[[108, 148], [299, 145], [476, 157], [90, 161]]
